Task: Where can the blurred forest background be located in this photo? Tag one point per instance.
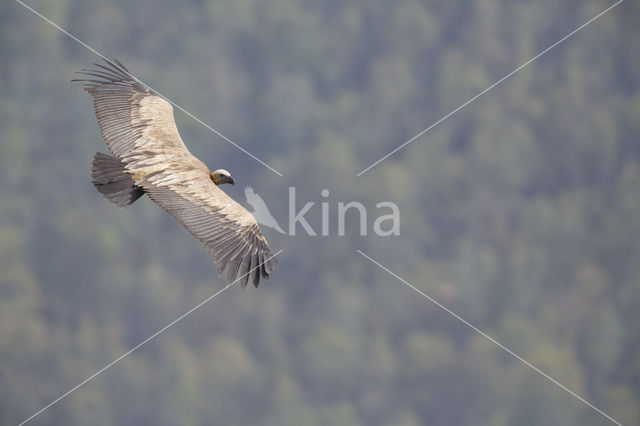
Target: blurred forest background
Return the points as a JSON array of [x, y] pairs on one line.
[[521, 213]]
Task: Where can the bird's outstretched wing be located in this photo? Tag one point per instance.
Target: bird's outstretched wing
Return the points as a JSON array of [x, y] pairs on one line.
[[139, 128]]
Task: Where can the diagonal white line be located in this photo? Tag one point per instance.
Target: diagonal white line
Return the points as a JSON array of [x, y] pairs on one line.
[[151, 88], [491, 87], [163, 329], [500, 345]]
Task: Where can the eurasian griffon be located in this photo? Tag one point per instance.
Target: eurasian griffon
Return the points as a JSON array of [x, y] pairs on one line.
[[149, 157]]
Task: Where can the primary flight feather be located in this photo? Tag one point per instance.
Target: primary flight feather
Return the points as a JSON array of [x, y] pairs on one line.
[[149, 157]]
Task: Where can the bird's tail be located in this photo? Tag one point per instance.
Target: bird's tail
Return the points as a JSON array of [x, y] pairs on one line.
[[111, 179]]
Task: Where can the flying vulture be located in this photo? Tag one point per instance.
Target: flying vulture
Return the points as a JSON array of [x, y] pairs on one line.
[[149, 157]]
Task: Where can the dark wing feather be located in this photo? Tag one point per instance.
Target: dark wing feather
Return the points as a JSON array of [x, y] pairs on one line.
[[139, 128]]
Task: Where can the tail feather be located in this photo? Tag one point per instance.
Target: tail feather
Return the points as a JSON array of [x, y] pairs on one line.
[[111, 179]]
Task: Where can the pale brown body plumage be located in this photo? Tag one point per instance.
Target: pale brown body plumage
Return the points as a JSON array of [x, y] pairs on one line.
[[150, 157]]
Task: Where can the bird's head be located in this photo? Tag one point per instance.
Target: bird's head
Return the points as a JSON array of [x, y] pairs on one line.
[[221, 176]]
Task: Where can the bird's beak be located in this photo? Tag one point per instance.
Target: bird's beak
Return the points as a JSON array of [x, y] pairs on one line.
[[231, 181]]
